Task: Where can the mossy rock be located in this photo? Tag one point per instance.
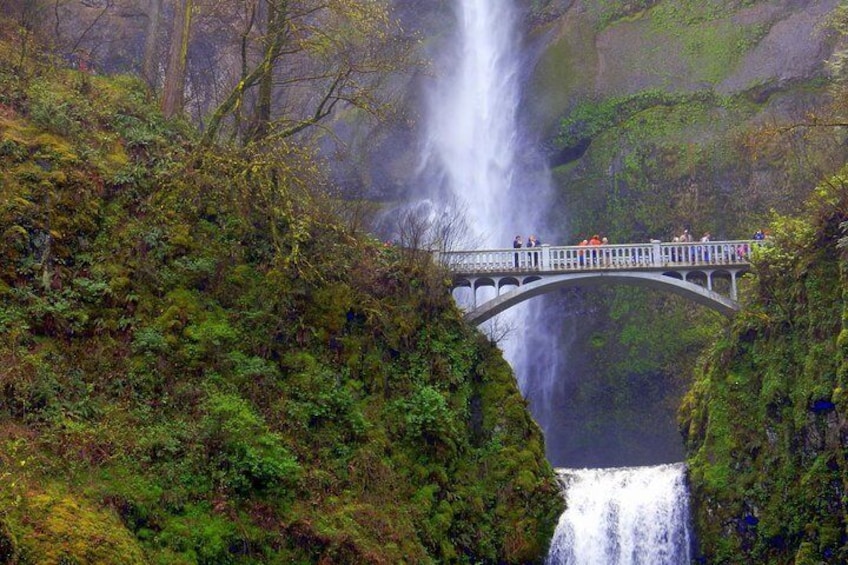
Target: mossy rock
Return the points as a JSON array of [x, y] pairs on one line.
[[58, 527]]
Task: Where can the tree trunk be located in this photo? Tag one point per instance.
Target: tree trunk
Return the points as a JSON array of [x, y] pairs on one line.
[[173, 91], [150, 67], [263, 75], [274, 36]]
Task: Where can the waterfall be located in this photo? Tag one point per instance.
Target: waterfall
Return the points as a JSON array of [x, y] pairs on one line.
[[475, 162], [472, 130], [623, 516]]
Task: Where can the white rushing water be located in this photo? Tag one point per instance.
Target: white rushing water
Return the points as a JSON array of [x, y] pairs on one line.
[[623, 516], [472, 129], [474, 158]]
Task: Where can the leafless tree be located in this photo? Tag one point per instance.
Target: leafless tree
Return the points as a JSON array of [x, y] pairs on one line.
[[174, 89], [302, 59]]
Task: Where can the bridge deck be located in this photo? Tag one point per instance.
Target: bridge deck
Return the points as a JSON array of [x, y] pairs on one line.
[[633, 257], [688, 269]]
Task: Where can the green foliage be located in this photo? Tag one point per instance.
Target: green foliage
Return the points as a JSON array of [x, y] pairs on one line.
[[589, 118], [206, 365], [429, 419], [766, 446], [53, 111], [246, 455], [197, 535]]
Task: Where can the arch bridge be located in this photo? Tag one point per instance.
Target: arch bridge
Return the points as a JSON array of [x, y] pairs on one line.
[[688, 269]]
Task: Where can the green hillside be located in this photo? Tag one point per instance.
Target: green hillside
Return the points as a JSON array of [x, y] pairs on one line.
[[766, 421], [204, 358]]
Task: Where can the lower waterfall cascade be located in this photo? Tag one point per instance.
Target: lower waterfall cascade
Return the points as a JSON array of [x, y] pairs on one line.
[[623, 516]]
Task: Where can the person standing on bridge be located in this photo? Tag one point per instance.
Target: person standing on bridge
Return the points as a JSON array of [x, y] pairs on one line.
[[704, 251], [533, 242], [594, 242], [517, 243], [687, 252], [580, 253], [675, 239]]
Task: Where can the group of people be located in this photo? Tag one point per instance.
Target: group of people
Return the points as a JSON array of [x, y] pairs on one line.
[[594, 240], [690, 253], [532, 241], [686, 237], [700, 253], [593, 255]]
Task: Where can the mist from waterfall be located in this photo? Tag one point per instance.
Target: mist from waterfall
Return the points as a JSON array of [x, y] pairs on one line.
[[623, 516]]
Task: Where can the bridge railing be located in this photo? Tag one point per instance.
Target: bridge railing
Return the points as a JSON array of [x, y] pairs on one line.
[[654, 255]]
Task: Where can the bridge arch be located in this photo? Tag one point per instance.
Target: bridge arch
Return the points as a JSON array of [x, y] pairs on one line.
[[672, 281]]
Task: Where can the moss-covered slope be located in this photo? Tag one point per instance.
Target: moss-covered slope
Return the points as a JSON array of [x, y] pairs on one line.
[[202, 362], [767, 419]]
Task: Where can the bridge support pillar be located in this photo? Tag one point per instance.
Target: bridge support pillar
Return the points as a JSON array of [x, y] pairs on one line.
[[546, 256], [733, 285]]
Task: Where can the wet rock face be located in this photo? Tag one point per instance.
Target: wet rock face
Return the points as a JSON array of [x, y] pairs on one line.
[[795, 46], [656, 44], [824, 431]]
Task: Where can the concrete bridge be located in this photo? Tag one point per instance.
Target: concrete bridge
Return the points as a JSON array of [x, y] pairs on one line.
[[703, 272]]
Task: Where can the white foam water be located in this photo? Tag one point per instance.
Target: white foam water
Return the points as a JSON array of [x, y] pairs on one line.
[[623, 516]]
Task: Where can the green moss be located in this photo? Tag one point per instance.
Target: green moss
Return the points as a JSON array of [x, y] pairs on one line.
[[563, 72], [765, 449], [208, 365], [608, 12], [55, 526], [711, 40]]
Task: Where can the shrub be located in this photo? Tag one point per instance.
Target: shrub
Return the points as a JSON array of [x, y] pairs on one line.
[[243, 452], [429, 418]]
